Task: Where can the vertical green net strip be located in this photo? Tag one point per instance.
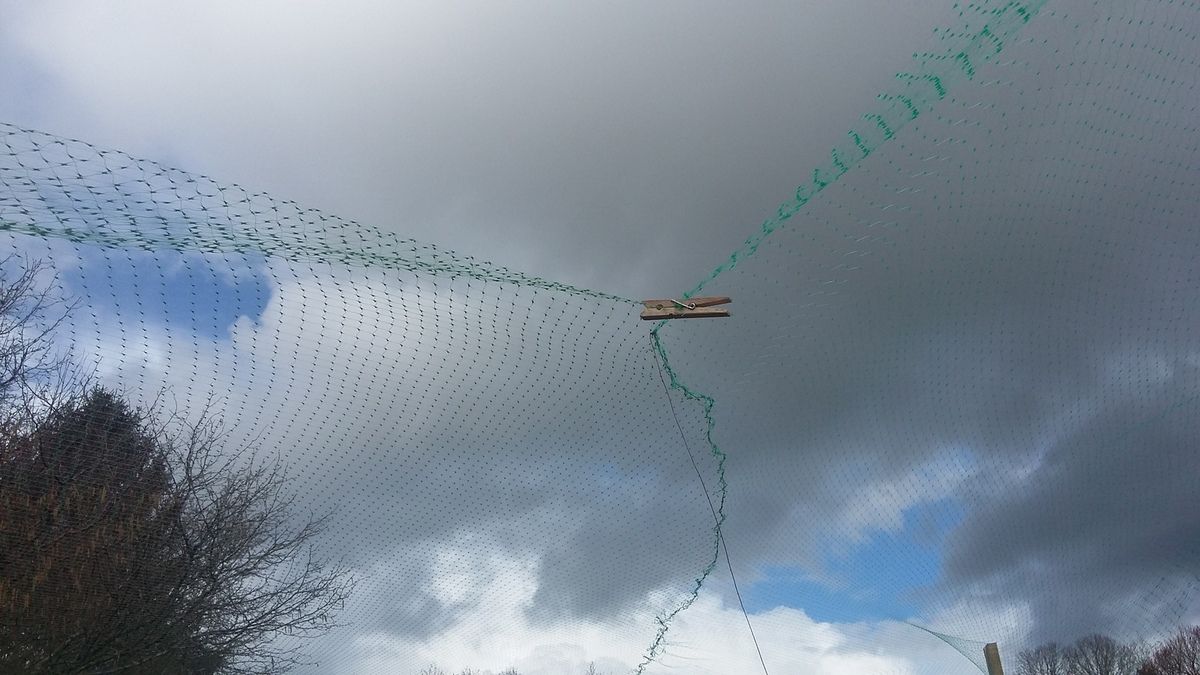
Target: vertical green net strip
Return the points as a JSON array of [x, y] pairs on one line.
[[988, 29], [1000, 294], [722, 489]]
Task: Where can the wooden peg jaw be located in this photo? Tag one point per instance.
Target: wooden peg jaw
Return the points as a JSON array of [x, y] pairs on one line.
[[691, 308]]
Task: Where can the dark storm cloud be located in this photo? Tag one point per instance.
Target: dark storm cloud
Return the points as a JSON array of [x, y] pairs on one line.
[[624, 146], [1104, 533], [997, 311]]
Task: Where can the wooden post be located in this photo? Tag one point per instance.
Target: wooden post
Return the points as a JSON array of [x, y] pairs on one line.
[[991, 655]]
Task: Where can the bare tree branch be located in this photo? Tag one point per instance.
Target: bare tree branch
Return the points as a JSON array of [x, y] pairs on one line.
[[132, 541]]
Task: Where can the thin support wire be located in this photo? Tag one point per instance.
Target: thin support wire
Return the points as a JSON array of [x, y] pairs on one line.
[[716, 519]]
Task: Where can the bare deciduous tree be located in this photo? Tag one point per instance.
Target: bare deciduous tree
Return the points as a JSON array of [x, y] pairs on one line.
[[133, 546], [30, 312], [1179, 655], [32, 374], [1046, 659], [1102, 655]]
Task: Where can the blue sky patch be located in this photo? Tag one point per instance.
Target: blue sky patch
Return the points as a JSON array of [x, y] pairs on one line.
[[875, 580], [202, 294]]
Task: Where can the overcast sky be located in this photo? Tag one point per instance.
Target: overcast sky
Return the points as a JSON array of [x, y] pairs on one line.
[[959, 387]]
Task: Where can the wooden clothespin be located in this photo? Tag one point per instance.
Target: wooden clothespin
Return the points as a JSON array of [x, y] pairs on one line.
[[692, 308]]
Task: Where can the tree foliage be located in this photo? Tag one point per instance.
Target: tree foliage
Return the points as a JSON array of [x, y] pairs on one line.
[[129, 547]]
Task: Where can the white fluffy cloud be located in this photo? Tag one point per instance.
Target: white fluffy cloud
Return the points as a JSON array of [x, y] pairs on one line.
[[711, 638], [452, 543]]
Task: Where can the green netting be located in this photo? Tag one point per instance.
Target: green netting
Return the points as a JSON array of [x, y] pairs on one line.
[[943, 276], [956, 402]]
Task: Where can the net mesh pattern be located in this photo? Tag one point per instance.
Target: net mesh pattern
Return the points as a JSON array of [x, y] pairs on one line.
[[988, 285]]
